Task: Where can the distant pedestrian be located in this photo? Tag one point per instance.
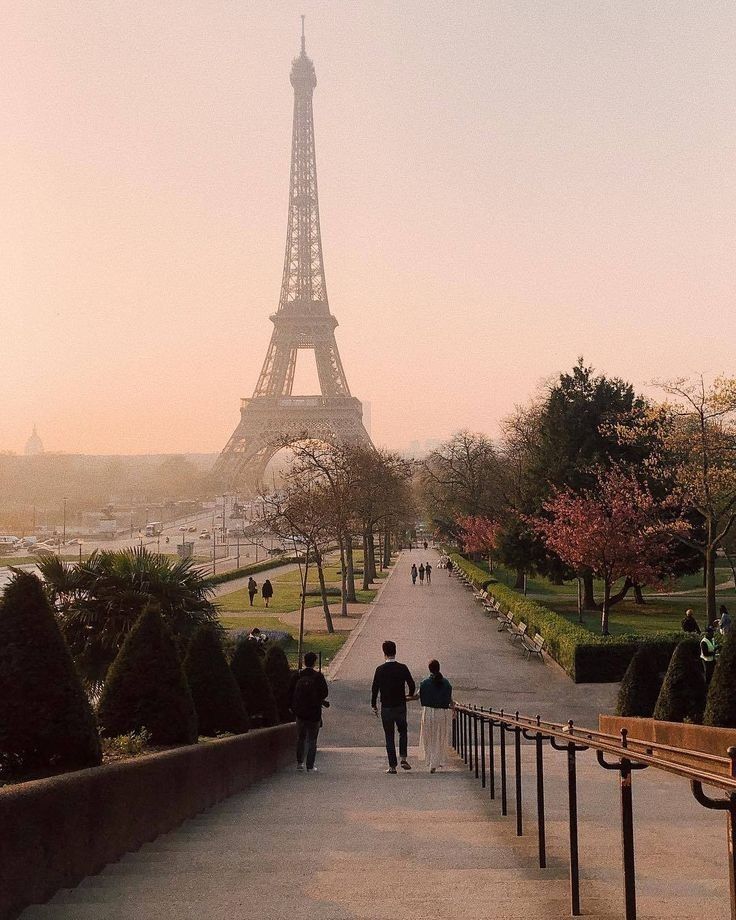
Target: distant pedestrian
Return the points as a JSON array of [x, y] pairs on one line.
[[258, 639], [414, 573], [428, 573], [421, 573], [425, 546], [390, 682], [252, 589], [435, 695], [689, 623], [708, 654], [307, 695], [724, 620], [267, 592], [449, 566]]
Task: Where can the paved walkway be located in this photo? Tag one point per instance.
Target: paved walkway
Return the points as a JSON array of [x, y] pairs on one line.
[[350, 843]]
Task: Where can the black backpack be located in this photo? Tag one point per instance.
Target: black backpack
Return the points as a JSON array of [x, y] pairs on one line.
[[306, 703]]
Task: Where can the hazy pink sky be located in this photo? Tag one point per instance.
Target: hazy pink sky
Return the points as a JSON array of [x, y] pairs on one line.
[[503, 186]]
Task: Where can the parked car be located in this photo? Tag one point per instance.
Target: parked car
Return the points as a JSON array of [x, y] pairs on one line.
[[192, 529], [205, 535]]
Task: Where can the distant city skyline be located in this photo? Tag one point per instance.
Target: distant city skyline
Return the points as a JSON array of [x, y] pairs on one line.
[[503, 187]]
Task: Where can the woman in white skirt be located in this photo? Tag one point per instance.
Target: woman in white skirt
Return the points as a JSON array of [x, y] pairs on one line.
[[435, 695]]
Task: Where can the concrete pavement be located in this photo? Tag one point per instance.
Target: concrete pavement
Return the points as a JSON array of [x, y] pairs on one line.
[[350, 843]]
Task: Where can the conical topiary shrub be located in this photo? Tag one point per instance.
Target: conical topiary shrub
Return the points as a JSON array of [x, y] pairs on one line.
[[682, 697], [279, 675], [46, 720], [720, 706], [247, 668], [214, 690], [146, 688], [641, 683]]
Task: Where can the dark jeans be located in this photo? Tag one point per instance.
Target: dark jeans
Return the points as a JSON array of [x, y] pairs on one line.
[[394, 717], [306, 736]]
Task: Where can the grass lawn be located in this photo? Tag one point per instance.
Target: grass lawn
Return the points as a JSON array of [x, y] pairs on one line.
[[663, 611], [287, 592], [324, 642], [238, 614]]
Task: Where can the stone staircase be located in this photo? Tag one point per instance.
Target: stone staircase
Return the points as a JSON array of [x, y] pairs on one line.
[[350, 843]]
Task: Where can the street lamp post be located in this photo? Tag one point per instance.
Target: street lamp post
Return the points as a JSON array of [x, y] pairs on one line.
[[63, 526]]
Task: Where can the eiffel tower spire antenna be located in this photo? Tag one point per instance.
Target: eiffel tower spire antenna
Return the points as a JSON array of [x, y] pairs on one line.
[[301, 321]]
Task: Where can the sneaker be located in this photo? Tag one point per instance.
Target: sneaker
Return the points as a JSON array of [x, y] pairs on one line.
[[300, 768], [312, 770], [405, 765], [391, 770]]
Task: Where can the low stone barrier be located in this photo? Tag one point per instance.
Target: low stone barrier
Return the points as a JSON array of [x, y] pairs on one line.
[[54, 832]]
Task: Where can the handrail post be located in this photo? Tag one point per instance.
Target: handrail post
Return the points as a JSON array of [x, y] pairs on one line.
[[454, 729], [572, 792], [517, 758], [540, 802], [491, 758], [475, 742], [465, 736], [482, 752], [627, 840], [625, 768], [504, 803]]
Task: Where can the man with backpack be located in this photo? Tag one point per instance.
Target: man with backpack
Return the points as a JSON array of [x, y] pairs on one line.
[[307, 695]]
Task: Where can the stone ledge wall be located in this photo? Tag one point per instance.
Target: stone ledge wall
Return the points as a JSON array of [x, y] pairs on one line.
[[56, 831]]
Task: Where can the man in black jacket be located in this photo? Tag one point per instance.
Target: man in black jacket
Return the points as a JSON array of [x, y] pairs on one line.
[[307, 695], [390, 681]]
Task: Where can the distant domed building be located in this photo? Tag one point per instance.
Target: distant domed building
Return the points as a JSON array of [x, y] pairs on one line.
[[34, 444]]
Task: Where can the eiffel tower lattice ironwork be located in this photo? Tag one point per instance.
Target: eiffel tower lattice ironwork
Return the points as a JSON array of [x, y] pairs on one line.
[[302, 321]]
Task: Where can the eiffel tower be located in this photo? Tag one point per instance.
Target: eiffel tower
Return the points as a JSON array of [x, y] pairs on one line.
[[302, 321]]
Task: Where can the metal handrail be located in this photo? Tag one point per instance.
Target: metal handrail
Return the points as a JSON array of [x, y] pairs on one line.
[[629, 755], [622, 746]]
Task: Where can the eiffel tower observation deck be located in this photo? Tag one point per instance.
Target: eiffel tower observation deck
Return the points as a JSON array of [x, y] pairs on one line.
[[302, 321]]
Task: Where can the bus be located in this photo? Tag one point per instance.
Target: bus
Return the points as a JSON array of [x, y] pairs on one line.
[[154, 529]]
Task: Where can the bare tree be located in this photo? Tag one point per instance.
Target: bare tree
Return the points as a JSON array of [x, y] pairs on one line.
[[701, 443]]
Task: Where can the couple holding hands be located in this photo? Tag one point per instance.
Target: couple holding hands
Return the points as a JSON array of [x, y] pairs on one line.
[[394, 685]]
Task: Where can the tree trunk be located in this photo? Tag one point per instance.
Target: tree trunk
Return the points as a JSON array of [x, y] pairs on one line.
[[710, 584], [588, 596], [351, 568], [323, 592], [604, 611], [366, 566], [380, 549], [557, 579], [519, 583], [305, 575], [386, 548], [638, 596], [620, 595], [343, 579], [372, 555]]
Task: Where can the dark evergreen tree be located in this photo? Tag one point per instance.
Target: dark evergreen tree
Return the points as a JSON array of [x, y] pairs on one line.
[[46, 720], [641, 684], [146, 687], [247, 668], [279, 675], [214, 690], [682, 697], [720, 707]]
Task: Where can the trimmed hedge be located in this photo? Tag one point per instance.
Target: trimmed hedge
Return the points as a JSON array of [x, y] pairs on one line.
[[146, 687], [682, 697], [639, 690], [45, 717], [252, 569], [720, 707], [587, 658]]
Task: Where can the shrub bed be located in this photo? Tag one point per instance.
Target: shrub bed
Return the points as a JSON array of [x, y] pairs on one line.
[[587, 658], [246, 570]]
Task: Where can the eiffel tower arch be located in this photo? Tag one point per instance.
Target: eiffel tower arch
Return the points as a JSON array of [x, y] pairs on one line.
[[302, 321]]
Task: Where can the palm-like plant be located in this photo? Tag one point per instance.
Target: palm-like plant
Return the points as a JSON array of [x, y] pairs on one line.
[[99, 600]]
